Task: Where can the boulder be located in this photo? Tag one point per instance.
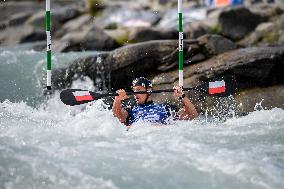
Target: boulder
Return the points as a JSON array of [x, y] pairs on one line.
[[147, 34], [19, 18], [170, 18], [251, 67], [268, 10], [268, 33], [258, 68], [122, 16], [194, 30], [237, 22], [8, 8], [123, 63], [153, 57], [216, 44], [91, 38], [59, 16], [21, 34], [260, 98], [76, 24]]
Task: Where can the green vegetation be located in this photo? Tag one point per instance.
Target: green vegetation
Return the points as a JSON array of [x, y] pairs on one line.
[[123, 39], [112, 26], [93, 6], [215, 29], [270, 37]]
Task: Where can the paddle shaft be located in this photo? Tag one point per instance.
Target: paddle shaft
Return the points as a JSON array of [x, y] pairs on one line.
[[147, 92]]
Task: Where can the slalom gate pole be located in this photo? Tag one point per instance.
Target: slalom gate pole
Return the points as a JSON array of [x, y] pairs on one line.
[[180, 52], [48, 48]]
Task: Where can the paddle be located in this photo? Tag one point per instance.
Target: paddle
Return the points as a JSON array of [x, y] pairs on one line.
[[74, 97]]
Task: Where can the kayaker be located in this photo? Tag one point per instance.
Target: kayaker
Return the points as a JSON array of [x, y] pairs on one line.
[[146, 110]]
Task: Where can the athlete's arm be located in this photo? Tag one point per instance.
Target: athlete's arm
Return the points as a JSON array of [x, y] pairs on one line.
[[188, 111], [117, 109]]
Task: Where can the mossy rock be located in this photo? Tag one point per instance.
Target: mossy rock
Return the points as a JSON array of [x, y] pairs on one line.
[[270, 37], [93, 6], [215, 30], [111, 26]]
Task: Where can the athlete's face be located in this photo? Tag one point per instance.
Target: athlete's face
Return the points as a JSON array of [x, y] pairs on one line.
[[140, 98]]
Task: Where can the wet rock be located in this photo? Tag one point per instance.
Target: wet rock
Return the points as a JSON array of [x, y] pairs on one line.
[[125, 63], [19, 18], [148, 34], [251, 67], [76, 24], [127, 17], [268, 33], [268, 10], [150, 58], [60, 15], [216, 44], [91, 38], [21, 34], [194, 30], [7, 9], [236, 23], [63, 76], [242, 70], [170, 18], [140, 59], [260, 98]]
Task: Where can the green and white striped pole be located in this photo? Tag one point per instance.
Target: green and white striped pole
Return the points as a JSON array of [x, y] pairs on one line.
[[180, 52], [48, 48]]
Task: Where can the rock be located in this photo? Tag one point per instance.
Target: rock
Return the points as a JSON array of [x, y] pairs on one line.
[[59, 16], [127, 17], [170, 18], [76, 24], [3, 25], [268, 10], [148, 34], [194, 30], [63, 76], [7, 9], [216, 44], [251, 68], [91, 38], [120, 35], [125, 63], [260, 98], [268, 33], [237, 22], [261, 66], [141, 59], [149, 58], [21, 34], [19, 18], [15, 19]]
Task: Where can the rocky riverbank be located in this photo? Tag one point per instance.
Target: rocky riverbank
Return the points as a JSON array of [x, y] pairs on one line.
[[245, 43]]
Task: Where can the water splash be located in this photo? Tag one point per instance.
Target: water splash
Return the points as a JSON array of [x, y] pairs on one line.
[[258, 106]]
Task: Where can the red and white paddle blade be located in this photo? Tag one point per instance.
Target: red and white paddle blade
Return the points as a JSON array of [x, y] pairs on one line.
[[217, 87], [82, 96]]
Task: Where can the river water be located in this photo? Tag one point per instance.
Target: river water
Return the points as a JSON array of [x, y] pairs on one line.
[[45, 144]]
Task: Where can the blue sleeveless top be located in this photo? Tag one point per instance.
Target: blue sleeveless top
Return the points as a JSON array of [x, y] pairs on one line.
[[150, 112]]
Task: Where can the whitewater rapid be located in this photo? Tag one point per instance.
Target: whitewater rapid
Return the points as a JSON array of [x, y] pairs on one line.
[[55, 146], [47, 144]]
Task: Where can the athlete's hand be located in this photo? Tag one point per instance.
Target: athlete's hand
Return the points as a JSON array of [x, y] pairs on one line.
[[178, 92], [121, 95]]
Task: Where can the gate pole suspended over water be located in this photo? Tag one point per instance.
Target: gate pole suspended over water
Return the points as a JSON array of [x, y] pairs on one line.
[[48, 48], [180, 52]]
